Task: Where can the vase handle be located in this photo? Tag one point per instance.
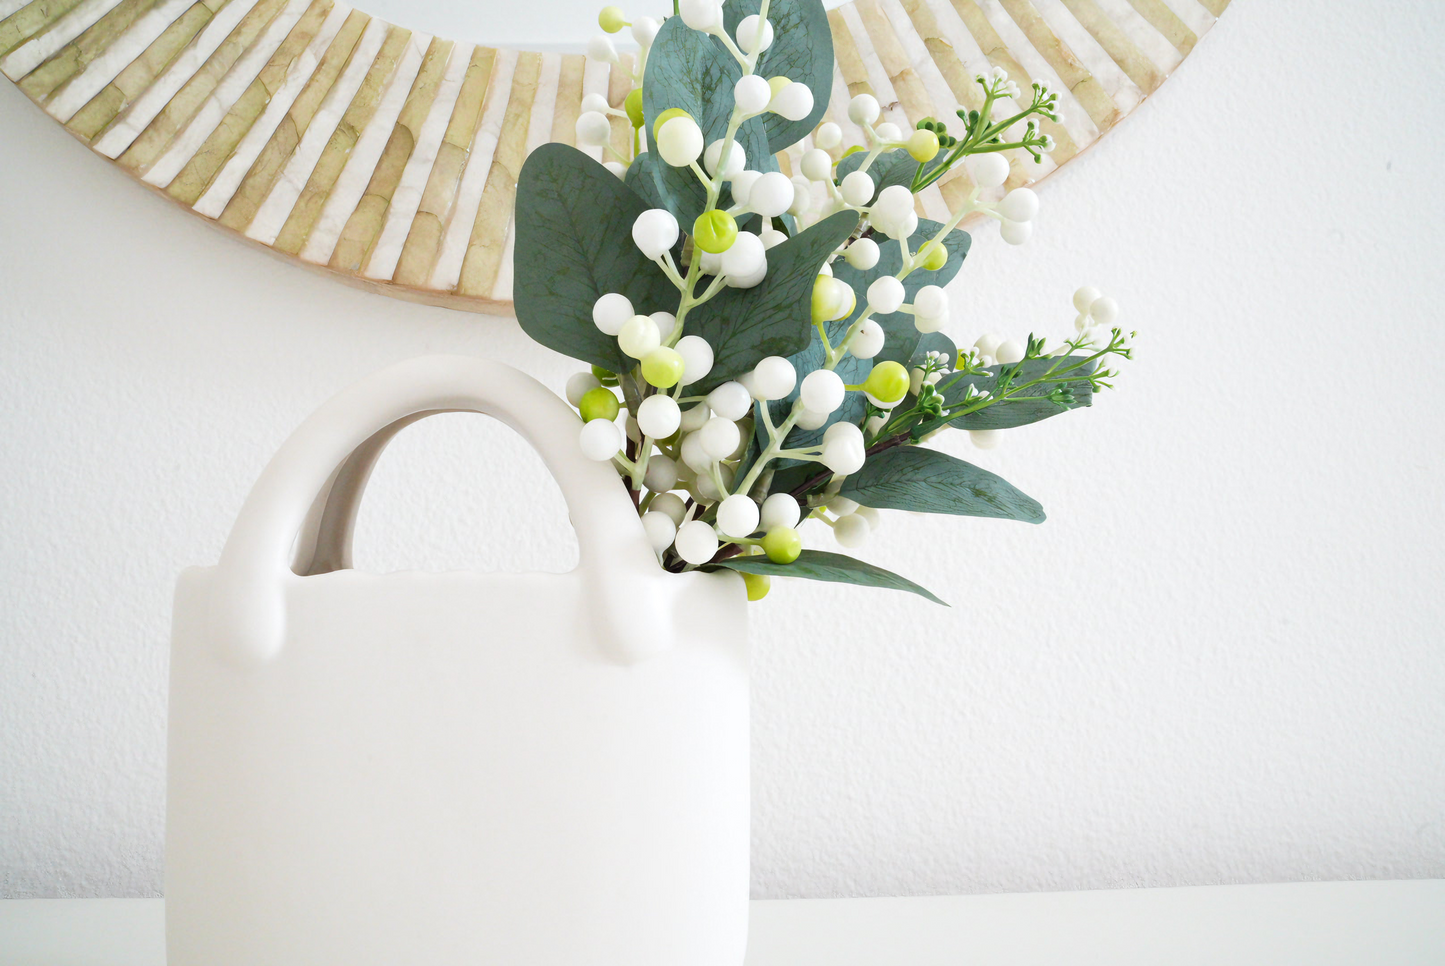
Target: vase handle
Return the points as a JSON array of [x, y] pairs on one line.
[[311, 488]]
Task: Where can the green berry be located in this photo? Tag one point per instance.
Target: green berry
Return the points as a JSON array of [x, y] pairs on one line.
[[783, 544], [605, 377], [666, 116], [888, 382], [714, 231], [923, 146], [598, 403], [633, 106], [611, 19], [758, 585], [662, 367], [936, 258]]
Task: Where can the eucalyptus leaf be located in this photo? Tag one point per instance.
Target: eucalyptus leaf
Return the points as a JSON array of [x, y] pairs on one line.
[[574, 244], [933, 342], [693, 71], [802, 51], [1026, 406], [902, 334], [927, 481], [774, 317], [833, 567], [643, 179]]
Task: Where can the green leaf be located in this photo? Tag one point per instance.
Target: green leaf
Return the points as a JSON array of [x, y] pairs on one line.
[[927, 481], [1026, 406], [833, 567], [574, 244], [902, 334], [802, 51], [774, 317], [642, 178], [933, 342], [693, 71]]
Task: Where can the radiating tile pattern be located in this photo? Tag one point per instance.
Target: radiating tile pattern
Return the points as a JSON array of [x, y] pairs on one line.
[[390, 158]]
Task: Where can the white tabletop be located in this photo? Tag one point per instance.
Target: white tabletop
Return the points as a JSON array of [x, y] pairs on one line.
[[1311, 924]]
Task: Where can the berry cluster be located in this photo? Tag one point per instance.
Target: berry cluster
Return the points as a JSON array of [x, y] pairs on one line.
[[726, 462]]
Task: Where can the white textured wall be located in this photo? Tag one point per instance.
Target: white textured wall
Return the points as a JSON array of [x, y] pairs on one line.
[[1221, 660]]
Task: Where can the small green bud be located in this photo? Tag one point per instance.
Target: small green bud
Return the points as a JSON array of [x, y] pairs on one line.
[[611, 19], [936, 258], [714, 231], [598, 403], [662, 367], [758, 585], [604, 376], [632, 104], [887, 382], [923, 146], [782, 545]]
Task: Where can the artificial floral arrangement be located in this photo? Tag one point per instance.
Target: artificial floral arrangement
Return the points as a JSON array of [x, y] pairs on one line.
[[767, 349]]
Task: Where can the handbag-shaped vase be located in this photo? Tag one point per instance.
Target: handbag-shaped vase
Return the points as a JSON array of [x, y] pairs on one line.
[[452, 768]]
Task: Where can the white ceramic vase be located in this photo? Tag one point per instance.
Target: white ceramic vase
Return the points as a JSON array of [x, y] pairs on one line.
[[452, 768]]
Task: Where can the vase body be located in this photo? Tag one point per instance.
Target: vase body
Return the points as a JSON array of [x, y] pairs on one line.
[[456, 768]]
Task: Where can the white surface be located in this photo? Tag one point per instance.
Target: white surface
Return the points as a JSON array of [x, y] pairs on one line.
[[1220, 660], [435, 768], [1314, 923]]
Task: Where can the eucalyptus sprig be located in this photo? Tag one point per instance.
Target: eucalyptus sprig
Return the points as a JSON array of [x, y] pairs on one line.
[[767, 349]]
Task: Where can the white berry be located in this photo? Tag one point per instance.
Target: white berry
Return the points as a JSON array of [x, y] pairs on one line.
[[1020, 204], [694, 418], [751, 94], [888, 131], [829, 136], [1104, 310], [984, 438], [696, 542], [747, 254], [989, 170], [701, 14], [600, 48], [737, 516], [821, 391], [748, 34], [1016, 232], [644, 31], [666, 322], [679, 141], [771, 194], [851, 531], [730, 401], [655, 231], [639, 336], [670, 504], [862, 254], [1009, 352], [659, 528], [719, 437], [737, 159], [774, 377], [868, 341], [600, 439], [886, 294], [864, 109], [817, 165], [593, 129], [794, 102], [857, 188], [931, 302], [659, 416], [661, 474], [779, 510], [697, 358], [808, 419]]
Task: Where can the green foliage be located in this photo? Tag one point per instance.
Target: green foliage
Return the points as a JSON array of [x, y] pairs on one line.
[[773, 318], [574, 243], [1061, 392], [821, 565], [694, 72], [927, 481], [850, 368], [802, 51], [903, 335]]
